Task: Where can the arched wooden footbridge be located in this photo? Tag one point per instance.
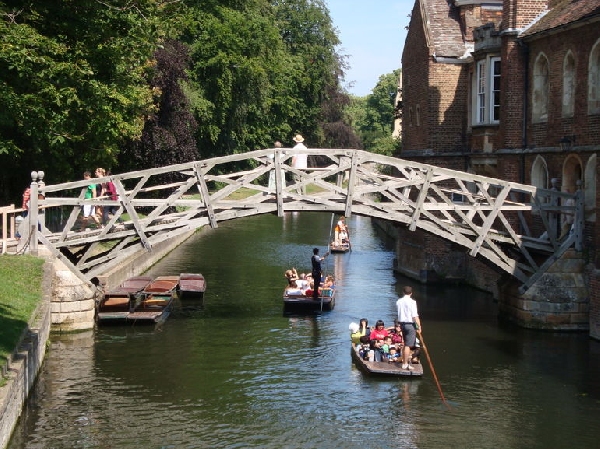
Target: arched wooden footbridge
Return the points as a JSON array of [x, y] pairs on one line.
[[514, 226]]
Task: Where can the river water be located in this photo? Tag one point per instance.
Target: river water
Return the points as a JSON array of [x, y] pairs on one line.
[[239, 373]]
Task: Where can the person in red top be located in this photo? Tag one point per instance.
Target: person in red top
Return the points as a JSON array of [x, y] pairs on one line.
[[26, 198], [380, 332]]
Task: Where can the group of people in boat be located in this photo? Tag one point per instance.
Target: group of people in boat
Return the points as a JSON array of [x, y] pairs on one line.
[[380, 343], [374, 343], [304, 284]]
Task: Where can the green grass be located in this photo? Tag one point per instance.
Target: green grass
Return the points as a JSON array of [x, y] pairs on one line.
[[20, 293]]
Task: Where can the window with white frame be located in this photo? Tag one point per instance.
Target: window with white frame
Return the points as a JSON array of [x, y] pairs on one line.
[[487, 91]]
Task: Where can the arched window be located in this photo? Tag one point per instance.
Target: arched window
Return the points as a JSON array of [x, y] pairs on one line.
[[568, 95], [594, 80], [540, 89], [539, 173]]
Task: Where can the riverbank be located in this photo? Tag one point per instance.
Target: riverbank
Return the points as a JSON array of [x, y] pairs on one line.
[[20, 295], [24, 339]]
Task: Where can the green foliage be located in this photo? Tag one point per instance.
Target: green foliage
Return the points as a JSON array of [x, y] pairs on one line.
[[73, 81], [87, 83], [373, 116]]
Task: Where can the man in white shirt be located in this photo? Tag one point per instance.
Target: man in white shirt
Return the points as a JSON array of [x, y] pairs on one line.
[[299, 161], [408, 317]]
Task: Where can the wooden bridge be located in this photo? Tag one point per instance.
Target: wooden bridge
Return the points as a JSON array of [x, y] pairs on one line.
[[512, 225]]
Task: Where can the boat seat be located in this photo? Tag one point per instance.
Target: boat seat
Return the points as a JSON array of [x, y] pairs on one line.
[[116, 301]]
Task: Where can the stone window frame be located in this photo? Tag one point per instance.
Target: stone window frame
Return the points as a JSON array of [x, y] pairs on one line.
[[486, 90], [541, 89], [594, 79], [569, 85]]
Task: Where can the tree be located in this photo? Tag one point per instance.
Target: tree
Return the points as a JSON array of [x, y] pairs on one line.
[[72, 83], [169, 134], [373, 116]]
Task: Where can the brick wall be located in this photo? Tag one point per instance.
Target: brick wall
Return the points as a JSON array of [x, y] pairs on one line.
[[520, 13], [585, 127], [415, 69], [448, 107]]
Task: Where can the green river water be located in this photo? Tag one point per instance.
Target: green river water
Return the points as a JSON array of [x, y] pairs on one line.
[[239, 373]]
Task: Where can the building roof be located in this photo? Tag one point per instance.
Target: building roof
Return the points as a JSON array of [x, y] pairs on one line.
[[564, 13], [442, 26]]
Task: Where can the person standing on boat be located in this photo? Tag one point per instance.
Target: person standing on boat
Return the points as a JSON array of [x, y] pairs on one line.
[[317, 271], [408, 317], [340, 231]]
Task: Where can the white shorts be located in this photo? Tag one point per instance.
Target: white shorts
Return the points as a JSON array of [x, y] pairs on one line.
[[88, 210]]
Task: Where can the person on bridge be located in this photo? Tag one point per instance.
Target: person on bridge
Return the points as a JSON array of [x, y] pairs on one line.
[[89, 211], [317, 271], [408, 317], [299, 161]]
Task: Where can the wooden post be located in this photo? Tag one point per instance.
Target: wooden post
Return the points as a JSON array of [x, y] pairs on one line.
[[33, 215]]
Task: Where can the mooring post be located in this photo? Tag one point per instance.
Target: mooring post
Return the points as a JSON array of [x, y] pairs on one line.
[[33, 214], [579, 217]]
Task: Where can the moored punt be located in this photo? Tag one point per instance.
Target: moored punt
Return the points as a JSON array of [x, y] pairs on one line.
[[153, 304], [116, 305], [384, 368], [303, 303], [191, 286]]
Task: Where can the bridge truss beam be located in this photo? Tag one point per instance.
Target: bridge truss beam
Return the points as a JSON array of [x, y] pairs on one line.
[[512, 225]]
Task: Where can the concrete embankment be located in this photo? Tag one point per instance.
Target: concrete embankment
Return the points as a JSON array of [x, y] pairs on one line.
[[68, 305]]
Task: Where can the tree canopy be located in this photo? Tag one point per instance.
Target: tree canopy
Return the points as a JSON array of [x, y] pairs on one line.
[[130, 85]]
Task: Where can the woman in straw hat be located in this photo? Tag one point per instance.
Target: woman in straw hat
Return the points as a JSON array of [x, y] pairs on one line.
[[299, 161]]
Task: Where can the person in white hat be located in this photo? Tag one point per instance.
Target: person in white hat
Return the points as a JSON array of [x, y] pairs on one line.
[[299, 161]]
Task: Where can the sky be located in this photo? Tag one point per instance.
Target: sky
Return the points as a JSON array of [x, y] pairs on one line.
[[372, 34]]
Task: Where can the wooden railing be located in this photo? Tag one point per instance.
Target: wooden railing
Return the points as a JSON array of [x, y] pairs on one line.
[[9, 225]]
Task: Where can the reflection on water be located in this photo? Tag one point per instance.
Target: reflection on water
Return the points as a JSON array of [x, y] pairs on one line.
[[238, 373]]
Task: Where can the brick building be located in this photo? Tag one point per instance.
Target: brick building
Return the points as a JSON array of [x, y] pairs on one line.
[[508, 89]]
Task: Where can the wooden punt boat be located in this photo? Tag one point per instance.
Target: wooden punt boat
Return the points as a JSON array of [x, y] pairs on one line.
[[341, 248], [384, 368], [191, 286], [303, 303], [116, 304], [153, 304]]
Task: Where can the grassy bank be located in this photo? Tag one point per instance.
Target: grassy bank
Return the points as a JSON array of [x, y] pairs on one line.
[[20, 293]]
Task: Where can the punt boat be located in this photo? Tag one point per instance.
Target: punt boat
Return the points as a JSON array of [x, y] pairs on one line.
[[116, 304], [302, 303], [341, 248], [191, 286], [384, 368], [153, 304]]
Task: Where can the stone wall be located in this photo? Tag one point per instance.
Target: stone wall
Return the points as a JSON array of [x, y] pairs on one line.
[[559, 300]]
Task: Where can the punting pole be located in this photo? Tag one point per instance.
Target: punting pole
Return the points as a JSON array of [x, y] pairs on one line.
[[326, 262], [437, 382]]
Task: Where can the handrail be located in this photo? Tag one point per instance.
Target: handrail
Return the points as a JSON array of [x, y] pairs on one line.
[[9, 228]]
